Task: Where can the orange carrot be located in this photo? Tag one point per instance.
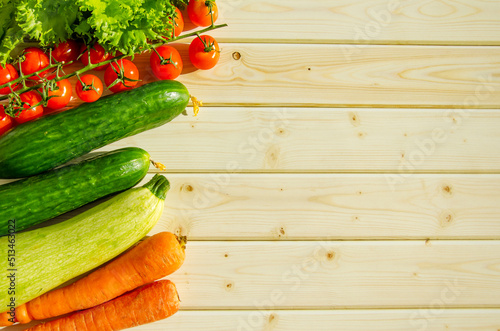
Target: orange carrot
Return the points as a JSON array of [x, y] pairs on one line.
[[154, 258], [147, 304]]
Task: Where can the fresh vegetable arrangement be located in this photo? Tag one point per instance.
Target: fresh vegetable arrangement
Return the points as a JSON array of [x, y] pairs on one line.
[[102, 35], [149, 303], [56, 139], [87, 240], [39, 198], [50, 53], [154, 258]]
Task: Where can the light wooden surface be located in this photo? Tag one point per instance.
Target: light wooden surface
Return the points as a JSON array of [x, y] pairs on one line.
[[448, 22], [279, 75], [366, 140], [345, 172]]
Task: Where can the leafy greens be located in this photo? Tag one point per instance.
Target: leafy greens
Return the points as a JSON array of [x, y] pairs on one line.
[[118, 25]]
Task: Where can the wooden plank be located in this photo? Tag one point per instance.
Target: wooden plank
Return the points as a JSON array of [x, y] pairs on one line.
[[326, 140], [367, 21], [342, 75], [320, 207], [399, 141], [333, 75], [431, 319], [351, 274], [313, 207]]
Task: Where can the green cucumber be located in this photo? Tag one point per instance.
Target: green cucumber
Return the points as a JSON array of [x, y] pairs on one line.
[[35, 199], [52, 140], [47, 257]]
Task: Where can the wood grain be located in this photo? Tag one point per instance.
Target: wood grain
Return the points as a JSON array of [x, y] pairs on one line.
[[345, 172], [323, 320], [331, 275], [314, 207], [399, 141], [320, 207], [342, 75], [473, 22]]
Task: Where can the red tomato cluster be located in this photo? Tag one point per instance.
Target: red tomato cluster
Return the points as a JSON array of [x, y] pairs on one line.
[[57, 94], [120, 75], [204, 51]]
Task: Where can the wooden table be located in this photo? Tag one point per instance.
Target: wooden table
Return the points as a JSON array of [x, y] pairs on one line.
[[344, 172]]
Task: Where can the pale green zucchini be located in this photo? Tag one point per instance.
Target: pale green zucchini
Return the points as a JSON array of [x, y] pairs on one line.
[[49, 256]]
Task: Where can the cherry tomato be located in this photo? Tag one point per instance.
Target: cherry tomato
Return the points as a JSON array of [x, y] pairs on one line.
[[28, 112], [126, 71], [8, 74], [200, 12], [66, 51], [6, 122], [204, 52], [34, 60], [97, 54], [178, 22], [92, 90], [60, 96], [169, 66]]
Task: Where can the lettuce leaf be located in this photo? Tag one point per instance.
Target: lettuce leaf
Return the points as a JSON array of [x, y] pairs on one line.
[[7, 10], [126, 25], [47, 21], [10, 32], [118, 25]]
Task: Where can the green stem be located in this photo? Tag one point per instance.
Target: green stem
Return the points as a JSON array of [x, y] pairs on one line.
[[159, 186]]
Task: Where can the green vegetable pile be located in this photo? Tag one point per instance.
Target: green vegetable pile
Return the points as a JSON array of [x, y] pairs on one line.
[[118, 25]]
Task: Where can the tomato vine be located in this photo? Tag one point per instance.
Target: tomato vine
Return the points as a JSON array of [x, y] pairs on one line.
[[15, 105]]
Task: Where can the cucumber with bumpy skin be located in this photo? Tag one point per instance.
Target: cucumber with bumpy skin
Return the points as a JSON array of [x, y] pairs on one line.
[[52, 140], [35, 199], [49, 256]]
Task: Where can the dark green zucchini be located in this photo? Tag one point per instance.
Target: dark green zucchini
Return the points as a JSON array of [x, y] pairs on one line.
[[52, 140], [32, 200]]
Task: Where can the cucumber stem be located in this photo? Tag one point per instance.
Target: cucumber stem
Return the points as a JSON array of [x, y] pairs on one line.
[[159, 186], [158, 165]]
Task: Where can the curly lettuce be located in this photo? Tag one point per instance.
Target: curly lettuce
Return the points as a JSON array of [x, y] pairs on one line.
[[118, 25], [10, 33], [126, 25]]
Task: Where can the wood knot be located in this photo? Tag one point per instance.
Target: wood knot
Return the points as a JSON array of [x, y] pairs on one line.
[[272, 158], [354, 118], [280, 131], [229, 286], [446, 218], [188, 188], [330, 255], [236, 56], [447, 190], [226, 255]]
